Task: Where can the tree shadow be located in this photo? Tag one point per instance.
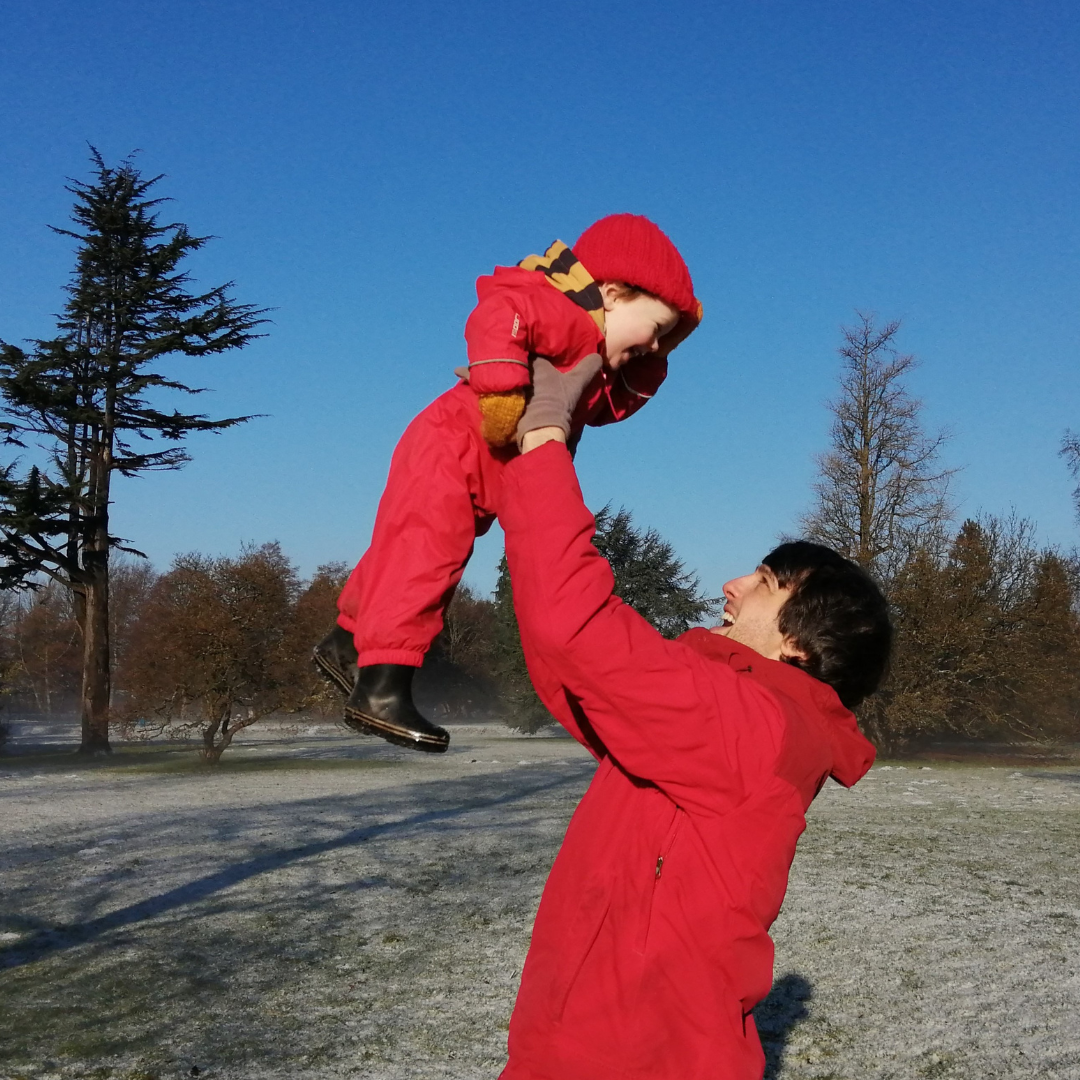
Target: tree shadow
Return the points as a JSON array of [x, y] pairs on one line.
[[777, 1016], [45, 940], [1061, 777], [378, 928]]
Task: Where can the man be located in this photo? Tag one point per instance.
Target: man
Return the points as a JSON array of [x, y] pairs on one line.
[[650, 947]]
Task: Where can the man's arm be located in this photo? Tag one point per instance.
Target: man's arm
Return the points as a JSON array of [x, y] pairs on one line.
[[665, 713]]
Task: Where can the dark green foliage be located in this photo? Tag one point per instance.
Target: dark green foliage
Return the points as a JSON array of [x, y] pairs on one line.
[[89, 399], [648, 577], [525, 710]]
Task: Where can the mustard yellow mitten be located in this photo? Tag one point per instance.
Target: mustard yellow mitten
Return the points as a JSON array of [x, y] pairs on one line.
[[500, 414]]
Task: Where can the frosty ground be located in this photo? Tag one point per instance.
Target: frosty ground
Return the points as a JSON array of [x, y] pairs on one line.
[[323, 906]]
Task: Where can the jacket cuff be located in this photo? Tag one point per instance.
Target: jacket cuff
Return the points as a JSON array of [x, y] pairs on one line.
[[498, 376]]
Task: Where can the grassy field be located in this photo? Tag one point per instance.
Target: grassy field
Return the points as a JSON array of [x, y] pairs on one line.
[[323, 906]]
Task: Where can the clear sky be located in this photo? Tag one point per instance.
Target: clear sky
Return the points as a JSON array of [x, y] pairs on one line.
[[363, 163]]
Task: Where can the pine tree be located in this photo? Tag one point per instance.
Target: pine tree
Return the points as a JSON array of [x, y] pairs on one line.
[[648, 576], [88, 399]]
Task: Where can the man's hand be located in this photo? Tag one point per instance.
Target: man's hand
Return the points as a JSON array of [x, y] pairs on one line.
[[554, 398]]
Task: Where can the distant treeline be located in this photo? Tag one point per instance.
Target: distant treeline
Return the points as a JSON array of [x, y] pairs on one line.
[[988, 643], [214, 644], [988, 640]]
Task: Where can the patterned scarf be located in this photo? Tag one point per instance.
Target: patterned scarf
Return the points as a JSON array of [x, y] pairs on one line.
[[566, 273]]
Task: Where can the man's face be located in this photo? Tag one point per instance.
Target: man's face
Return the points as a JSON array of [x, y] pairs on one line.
[[752, 612]]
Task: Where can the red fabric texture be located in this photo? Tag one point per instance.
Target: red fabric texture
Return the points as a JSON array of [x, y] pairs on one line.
[[444, 479], [518, 315], [631, 249], [650, 946]]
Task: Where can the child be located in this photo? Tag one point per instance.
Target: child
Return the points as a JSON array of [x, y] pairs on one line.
[[623, 292]]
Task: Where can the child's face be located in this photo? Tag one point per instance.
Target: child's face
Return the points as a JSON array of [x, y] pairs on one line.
[[633, 325]]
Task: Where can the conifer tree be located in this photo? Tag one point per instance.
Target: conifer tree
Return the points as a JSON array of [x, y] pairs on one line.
[[88, 401], [648, 576]]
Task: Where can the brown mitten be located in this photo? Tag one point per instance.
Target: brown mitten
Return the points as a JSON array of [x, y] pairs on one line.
[[555, 394], [500, 414]]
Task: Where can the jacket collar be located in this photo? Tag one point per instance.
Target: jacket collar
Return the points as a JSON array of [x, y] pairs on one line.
[[852, 753]]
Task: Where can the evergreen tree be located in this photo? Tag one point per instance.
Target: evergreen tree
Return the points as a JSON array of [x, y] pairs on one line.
[[89, 399], [648, 576]]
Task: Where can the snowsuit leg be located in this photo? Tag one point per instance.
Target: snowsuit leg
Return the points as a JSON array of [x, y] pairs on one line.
[[441, 494]]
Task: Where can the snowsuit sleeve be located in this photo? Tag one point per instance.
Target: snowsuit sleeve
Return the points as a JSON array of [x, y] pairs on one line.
[[497, 339], [666, 714]]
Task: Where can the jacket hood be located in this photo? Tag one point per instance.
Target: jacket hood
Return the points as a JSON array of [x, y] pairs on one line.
[[852, 752]]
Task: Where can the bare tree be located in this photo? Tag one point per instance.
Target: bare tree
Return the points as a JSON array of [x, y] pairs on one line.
[[987, 641], [1070, 451], [315, 610], [216, 646], [44, 649], [881, 489]]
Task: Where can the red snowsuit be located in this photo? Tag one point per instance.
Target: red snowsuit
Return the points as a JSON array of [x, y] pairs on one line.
[[650, 946], [444, 482]]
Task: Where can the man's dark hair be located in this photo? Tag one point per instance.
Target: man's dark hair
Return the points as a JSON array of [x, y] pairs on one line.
[[836, 614]]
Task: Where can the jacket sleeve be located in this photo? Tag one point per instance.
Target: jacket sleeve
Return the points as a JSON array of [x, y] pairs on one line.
[[664, 712], [630, 388], [497, 339]]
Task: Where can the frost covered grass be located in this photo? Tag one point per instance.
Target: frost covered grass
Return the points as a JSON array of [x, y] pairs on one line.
[[324, 906]]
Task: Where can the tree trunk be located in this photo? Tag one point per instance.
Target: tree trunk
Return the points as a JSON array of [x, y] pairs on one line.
[[96, 675]]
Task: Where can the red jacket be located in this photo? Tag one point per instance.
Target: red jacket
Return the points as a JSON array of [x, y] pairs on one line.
[[650, 946], [520, 316]]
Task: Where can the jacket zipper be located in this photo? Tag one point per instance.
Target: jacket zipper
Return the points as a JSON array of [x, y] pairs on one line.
[[665, 850]]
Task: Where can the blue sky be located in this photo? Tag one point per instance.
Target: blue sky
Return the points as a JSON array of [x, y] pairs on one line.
[[363, 163]]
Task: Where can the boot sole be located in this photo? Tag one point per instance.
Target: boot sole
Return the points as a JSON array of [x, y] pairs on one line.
[[328, 669], [370, 725]]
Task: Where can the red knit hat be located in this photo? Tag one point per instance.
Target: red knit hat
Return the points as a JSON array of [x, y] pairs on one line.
[[631, 249]]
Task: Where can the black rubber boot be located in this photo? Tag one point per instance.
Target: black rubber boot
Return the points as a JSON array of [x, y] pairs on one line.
[[381, 704], [335, 657]]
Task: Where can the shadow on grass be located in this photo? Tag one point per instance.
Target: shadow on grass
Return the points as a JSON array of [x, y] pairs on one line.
[[47, 941], [183, 758], [373, 931], [777, 1016], [1061, 777]]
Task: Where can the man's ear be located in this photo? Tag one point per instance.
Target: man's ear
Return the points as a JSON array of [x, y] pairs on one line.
[[789, 651]]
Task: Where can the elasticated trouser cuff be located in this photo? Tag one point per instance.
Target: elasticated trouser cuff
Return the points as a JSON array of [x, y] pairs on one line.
[[390, 656]]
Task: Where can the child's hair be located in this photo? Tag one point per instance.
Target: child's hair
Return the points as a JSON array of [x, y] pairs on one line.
[[629, 292]]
